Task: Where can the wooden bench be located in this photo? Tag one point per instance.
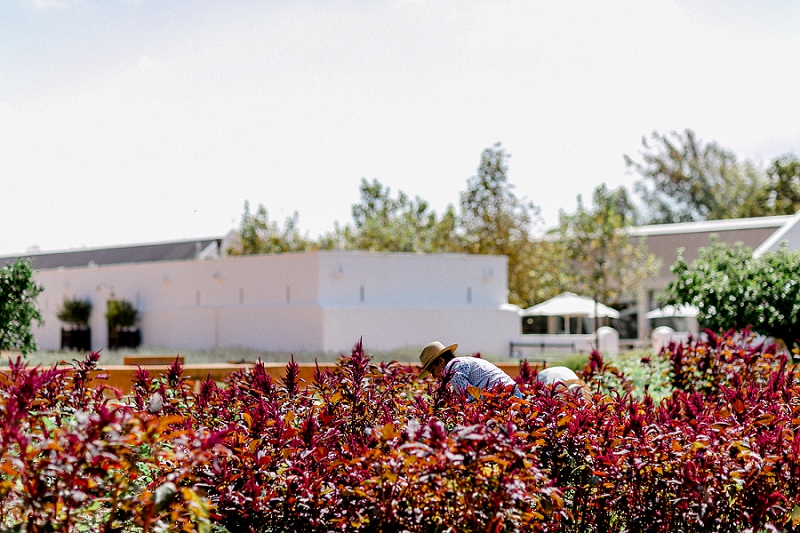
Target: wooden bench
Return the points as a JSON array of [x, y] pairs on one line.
[[150, 360]]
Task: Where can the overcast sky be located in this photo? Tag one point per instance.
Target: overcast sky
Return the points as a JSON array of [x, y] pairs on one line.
[[127, 122]]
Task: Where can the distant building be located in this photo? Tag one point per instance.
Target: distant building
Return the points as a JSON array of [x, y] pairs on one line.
[[189, 296], [760, 234]]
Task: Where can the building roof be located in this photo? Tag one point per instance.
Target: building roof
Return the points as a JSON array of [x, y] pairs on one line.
[[712, 226], [140, 253], [664, 240]]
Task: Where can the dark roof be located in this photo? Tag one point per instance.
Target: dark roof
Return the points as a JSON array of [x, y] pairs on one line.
[[142, 253], [664, 240]]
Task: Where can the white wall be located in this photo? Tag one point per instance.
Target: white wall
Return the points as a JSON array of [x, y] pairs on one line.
[[314, 301], [410, 279], [486, 330]]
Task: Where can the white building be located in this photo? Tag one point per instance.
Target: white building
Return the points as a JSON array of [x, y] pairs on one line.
[[189, 297]]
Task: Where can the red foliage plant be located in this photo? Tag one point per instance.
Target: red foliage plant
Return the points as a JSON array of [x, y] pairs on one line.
[[371, 447]]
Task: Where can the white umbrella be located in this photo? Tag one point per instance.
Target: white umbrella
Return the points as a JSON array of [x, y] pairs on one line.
[[670, 311], [570, 304]]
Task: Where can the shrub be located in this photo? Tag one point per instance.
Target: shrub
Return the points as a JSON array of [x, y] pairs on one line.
[[371, 447], [121, 314], [18, 309], [75, 312]]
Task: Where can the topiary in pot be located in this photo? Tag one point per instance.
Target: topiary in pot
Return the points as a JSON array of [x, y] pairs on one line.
[[121, 314], [75, 312]]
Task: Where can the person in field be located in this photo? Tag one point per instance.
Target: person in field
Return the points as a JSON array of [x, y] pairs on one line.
[[438, 359]]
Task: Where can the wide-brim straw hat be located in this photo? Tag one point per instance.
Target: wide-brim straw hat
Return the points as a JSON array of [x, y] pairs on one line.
[[431, 353]]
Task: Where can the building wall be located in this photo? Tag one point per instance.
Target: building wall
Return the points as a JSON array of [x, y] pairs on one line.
[[410, 279], [480, 329], [314, 301]]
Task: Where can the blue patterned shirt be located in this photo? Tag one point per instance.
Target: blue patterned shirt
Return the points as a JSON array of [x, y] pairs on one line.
[[476, 372]]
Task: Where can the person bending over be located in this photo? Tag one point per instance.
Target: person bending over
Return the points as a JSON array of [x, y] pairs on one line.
[[560, 376], [438, 359]]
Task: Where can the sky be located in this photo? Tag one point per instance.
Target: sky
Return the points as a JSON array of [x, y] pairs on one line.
[[137, 121]]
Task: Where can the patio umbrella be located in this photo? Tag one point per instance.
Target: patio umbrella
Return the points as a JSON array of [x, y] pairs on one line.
[[570, 304], [671, 311]]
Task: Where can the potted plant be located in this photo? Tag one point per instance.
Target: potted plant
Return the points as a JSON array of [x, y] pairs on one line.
[[122, 317], [74, 313]]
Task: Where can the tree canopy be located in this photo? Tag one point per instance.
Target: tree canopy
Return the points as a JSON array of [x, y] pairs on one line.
[[495, 221], [258, 234], [686, 180], [682, 179], [387, 224], [602, 261]]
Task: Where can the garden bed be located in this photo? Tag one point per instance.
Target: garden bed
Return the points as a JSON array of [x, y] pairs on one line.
[[371, 447]]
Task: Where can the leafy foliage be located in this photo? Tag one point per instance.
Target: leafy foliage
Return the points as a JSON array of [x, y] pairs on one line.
[[72, 459], [733, 290], [258, 234], [495, 221], [18, 309], [684, 180], [386, 224], [603, 262], [75, 311], [784, 184], [370, 447], [121, 314]]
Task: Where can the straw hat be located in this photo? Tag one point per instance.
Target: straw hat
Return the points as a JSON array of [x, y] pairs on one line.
[[431, 353]]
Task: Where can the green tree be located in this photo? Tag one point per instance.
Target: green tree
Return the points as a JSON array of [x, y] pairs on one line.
[[784, 185], [258, 234], [494, 221], [685, 180], [733, 289], [18, 308], [384, 223], [603, 261]]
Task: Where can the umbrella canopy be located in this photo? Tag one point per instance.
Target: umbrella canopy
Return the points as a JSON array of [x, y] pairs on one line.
[[670, 311], [570, 304]]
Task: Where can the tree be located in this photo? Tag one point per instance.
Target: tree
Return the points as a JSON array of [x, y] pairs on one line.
[[387, 224], [603, 262], [733, 289], [18, 308], [259, 235], [784, 185], [684, 180], [494, 221]]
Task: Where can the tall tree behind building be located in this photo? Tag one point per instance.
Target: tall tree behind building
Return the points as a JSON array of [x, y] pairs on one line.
[[257, 234], [602, 260], [685, 180], [384, 223], [494, 220]]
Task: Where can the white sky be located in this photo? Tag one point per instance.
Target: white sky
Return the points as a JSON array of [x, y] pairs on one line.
[[143, 121]]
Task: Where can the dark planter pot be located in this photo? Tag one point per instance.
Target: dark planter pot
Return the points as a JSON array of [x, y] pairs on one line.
[[124, 338], [77, 339]]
